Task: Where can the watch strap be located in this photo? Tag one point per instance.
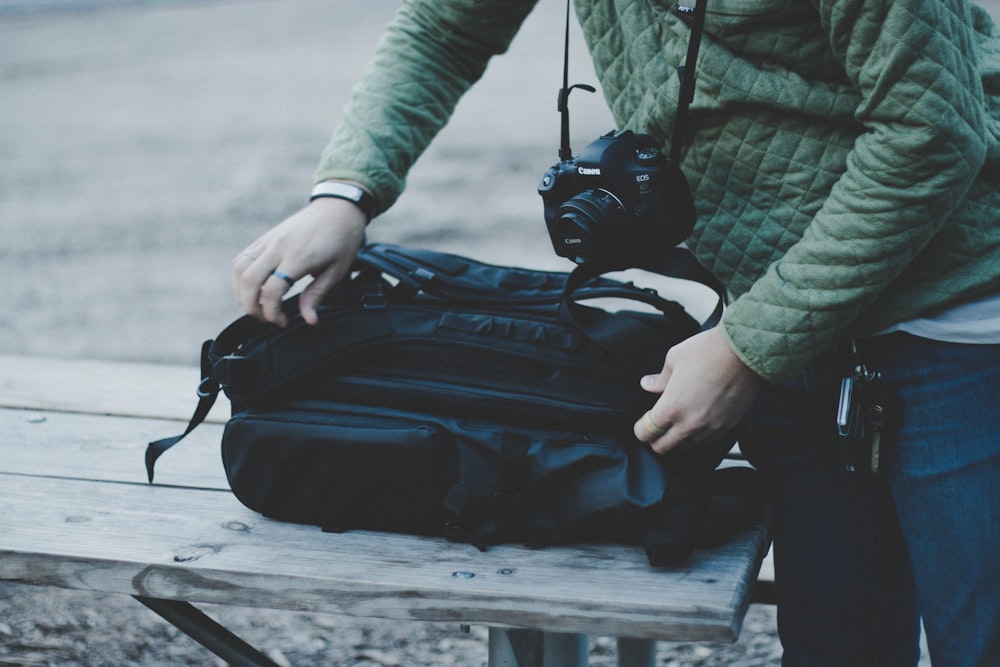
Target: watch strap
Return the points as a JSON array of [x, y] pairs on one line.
[[348, 192]]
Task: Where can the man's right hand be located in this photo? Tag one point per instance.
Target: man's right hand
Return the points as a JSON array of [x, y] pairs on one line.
[[321, 241]]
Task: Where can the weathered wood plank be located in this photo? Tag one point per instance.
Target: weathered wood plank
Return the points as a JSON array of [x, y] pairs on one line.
[[61, 444], [203, 546], [102, 387]]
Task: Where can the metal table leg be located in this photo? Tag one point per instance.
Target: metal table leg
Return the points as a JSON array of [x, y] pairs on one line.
[[534, 648], [210, 634], [636, 652]]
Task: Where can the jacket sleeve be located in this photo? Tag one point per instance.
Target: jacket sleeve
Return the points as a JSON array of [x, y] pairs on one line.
[[923, 143], [430, 55]]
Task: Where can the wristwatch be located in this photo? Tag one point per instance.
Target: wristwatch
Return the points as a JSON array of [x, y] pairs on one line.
[[348, 192]]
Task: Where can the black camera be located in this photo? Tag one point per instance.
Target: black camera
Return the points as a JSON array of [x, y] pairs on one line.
[[622, 203], [618, 205]]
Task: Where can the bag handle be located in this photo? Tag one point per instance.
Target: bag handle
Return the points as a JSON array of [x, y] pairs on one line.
[[677, 263], [416, 277]]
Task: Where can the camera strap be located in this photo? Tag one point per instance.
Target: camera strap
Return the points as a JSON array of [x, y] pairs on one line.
[[565, 151], [686, 74]]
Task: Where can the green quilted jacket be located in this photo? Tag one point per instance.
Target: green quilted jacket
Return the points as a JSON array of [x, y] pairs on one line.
[[844, 154]]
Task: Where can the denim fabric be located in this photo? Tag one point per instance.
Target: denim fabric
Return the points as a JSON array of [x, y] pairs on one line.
[[860, 558]]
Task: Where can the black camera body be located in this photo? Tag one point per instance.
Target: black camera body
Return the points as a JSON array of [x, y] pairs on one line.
[[618, 205]]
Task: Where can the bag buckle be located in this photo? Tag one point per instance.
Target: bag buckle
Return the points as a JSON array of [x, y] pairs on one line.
[[372, 301], [234, 371], [374, 298], [207, 388], [454, 532]]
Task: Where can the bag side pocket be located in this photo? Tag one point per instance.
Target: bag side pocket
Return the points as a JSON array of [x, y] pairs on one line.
[[340, 470]]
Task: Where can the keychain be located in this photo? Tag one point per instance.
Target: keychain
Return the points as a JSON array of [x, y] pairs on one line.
[[861, 414]]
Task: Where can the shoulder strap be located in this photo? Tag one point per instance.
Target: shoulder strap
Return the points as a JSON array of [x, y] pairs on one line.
[[208, 391], [686, 72]]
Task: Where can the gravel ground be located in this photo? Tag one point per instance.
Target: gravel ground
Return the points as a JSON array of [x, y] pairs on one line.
[[143, 143], [70, 628]]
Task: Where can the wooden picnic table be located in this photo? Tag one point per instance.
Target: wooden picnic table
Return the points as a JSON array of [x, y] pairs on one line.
[[77, 512]]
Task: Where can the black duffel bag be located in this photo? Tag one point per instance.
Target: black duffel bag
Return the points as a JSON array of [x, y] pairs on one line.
[[443, 396]]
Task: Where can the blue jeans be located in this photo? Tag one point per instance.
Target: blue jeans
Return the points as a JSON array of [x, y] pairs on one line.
[[859, 558]]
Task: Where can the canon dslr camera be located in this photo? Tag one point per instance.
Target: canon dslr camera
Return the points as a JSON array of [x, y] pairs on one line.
[[618, 204]]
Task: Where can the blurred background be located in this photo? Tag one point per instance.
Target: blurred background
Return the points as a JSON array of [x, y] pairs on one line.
[[143, 144]]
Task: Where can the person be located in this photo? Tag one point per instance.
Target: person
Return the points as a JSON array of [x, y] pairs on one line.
[[844, 156]]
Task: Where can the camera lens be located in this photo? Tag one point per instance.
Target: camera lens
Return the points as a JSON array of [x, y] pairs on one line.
[[581, 223]]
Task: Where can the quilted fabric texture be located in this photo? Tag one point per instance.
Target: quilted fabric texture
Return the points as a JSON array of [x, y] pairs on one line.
[[845, 154]]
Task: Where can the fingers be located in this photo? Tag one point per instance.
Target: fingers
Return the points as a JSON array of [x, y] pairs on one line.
[[647, 429], [661, 432], [657, 430], [260, 285], [663, 435], [248, 275], [668, 426], [271, 294], [655, 383], [314, 292], [650, 429]]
